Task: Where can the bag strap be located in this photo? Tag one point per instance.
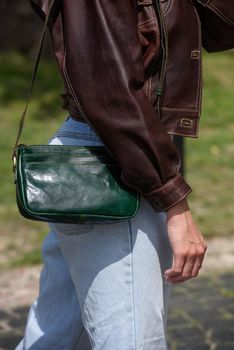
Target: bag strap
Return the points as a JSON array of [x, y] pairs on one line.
[[34, 72]]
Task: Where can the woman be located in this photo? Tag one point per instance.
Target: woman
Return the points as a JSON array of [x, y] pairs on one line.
[[107, 286]]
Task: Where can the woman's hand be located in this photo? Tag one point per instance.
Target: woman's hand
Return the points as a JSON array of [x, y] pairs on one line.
[[187, 243]]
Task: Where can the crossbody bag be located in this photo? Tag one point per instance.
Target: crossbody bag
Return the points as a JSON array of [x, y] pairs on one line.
[[69, 184]]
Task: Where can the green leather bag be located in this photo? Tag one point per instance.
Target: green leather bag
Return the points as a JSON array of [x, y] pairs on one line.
[[69, 184]]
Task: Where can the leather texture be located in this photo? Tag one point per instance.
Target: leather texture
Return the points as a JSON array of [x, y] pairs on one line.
[[72, 184], [100, 56], [110, 57], [181, 102], [217, 17]]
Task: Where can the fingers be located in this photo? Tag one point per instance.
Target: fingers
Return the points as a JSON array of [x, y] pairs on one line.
[[201, 249], [177, 267], [186, 264], [180, 272], [189, 263]]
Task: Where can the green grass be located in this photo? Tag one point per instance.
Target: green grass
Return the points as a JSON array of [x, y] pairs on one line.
[[21, 239], [209, 159]]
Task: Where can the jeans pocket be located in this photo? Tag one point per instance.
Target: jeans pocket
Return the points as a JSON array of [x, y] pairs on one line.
[[72, 229]]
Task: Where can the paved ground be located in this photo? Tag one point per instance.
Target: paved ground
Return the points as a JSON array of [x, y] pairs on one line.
[[201, 313]]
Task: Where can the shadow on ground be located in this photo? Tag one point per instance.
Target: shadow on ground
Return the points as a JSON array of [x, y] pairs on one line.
[[12, 327], [201, 316]]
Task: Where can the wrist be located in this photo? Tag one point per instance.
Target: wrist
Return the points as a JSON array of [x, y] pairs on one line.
[[179, 208]]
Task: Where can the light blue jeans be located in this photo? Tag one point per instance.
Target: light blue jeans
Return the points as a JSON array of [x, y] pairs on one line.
[[101, 286]]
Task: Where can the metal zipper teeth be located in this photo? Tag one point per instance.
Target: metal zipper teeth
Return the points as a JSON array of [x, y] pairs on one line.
[[94, 164], [81, 148], [75, 160], [62, 155], [81, 152], [65, 156]]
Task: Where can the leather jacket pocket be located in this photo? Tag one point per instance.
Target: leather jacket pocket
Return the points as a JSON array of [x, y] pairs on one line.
[[166, 5], [148, 32]]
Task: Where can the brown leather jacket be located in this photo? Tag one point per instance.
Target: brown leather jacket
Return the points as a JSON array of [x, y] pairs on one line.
[[111, 55]]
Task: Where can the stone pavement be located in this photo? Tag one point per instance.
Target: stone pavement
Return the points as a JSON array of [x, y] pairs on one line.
[[201, 313], [201, 316]]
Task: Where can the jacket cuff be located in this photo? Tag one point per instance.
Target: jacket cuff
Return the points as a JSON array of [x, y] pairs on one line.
[[169, 194]]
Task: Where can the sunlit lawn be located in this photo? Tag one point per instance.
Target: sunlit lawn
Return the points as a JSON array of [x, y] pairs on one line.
[[209, 159]]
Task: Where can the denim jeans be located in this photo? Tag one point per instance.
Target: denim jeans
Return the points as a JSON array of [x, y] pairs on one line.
[[101, 286]]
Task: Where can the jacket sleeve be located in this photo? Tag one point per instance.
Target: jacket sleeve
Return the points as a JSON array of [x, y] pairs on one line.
[[217, 23], [103, 68]]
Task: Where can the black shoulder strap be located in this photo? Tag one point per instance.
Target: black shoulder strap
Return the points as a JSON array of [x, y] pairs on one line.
[[34, 72]]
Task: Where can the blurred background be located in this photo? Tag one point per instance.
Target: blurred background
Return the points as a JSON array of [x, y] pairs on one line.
[[202, 310]]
